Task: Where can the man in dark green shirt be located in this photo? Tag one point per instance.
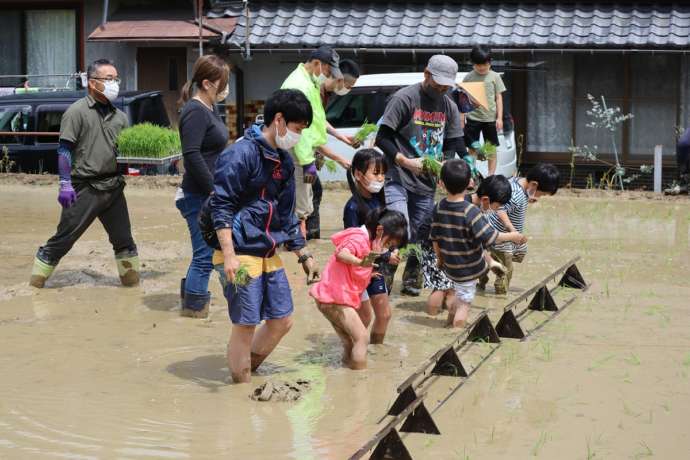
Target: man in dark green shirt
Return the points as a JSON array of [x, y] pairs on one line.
[[90, 185]]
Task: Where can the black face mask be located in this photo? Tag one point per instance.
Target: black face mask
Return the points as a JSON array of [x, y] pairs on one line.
[[431, 93]]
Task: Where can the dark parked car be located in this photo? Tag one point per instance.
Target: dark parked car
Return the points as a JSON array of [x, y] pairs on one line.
[[41, 113]]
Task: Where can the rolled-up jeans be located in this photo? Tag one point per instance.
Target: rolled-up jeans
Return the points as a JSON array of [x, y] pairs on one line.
[[417, 209]]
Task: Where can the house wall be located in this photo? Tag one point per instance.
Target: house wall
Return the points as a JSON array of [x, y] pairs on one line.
[[124, 55], [652, 87]]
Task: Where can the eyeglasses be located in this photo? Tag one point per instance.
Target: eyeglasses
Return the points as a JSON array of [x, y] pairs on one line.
[[116, 79]]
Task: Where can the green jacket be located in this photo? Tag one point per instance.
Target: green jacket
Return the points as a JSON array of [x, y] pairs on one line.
[[315, 135]]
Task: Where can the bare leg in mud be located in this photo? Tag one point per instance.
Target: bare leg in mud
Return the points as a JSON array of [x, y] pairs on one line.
[[457, 313], [351, 331], [382, 316], [434, 303], [247, 350], [267, 338], [239, 346], [365, 312]]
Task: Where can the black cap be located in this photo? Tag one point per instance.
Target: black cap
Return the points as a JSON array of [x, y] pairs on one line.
[[329, 56]]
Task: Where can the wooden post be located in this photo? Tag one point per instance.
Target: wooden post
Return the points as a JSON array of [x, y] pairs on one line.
[[657, 168]]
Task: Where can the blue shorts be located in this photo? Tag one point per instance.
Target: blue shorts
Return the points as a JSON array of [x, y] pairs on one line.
[[266, 296], [377, 286]]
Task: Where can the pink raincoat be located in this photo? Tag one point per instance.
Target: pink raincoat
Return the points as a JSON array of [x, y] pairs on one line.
[[343, 284]]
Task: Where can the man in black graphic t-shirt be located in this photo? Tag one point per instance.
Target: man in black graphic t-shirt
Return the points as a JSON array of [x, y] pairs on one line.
[[420, 120]]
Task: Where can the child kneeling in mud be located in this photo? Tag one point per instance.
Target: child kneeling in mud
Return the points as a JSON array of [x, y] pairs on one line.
[[347, 274], [492, 193], [460, 234], [541, 180]]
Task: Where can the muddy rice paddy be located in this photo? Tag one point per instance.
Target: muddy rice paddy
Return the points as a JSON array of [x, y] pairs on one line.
[[90, 370]]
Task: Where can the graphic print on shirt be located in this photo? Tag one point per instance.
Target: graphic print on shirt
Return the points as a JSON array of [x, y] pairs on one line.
[[431, 128]]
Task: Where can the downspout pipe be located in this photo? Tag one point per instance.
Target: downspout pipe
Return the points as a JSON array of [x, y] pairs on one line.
[[247, 46], [105, 13]]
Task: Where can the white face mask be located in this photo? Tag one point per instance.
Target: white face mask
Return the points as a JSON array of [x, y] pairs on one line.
[[374, 186], [223, 95], [342, 91], [321, 79], [110, 90], [289, 140]]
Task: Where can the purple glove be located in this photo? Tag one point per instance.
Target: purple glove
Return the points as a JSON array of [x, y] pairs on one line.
[[310, 173], [67, 196]]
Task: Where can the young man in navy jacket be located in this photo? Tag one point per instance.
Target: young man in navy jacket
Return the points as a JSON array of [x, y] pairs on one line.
[[252, 213]]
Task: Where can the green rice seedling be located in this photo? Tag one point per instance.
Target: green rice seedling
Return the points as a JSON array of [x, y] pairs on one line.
[[146, 140], [242, 277], [629, 412], [431, 166], [410, 250], [364, 131], [487, 151], [644, 452], [600, 362], [331, 166], [539, 444], [666, 407], [686, 361], [545, 350], [590, 452], [633, 359], [493, 433]]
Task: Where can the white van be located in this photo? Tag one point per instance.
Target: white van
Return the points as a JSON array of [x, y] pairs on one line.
[[367, 101]]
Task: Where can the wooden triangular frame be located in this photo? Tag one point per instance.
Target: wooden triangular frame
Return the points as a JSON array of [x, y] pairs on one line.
[[419, 421], [508, 326], [449, 365], [404, 399], [391, 447], [484, 331], [572, 278], [542, 300]]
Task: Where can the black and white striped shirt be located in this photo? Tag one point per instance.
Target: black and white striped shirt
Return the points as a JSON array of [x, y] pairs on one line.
[[516, 209], [462, 233]]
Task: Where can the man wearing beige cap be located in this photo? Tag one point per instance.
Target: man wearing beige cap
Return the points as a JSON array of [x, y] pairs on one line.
[[419, 120]]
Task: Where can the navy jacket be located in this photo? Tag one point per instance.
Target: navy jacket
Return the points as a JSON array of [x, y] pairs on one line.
[[254, 195]]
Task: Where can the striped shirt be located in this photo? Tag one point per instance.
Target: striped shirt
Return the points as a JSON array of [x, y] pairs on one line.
[[462, 233], [516, 209]]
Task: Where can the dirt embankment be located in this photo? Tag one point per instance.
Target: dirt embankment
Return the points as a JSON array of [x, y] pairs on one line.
[[161, 182]]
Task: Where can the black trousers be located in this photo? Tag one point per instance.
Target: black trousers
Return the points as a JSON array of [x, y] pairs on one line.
[[314, 221], [110, 207]]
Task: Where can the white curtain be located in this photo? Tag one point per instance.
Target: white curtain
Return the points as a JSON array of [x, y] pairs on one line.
[[51, 45], [550, 104]]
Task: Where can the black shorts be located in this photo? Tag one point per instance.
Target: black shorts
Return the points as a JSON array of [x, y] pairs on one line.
[[487, 129]]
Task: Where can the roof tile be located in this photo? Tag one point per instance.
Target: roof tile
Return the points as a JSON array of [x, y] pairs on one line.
[[301, 23]]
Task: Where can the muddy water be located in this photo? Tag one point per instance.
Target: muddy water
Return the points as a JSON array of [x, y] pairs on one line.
[[91, 370]]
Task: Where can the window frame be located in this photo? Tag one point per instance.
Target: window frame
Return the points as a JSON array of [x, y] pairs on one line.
[[47, 108], [23, 140], [624, 102], [23, 6]]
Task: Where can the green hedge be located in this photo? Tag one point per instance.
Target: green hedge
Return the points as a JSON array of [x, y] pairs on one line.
[[148, 141]]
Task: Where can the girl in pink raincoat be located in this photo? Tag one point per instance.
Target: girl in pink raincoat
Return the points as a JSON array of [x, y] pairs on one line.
[[347, 274]]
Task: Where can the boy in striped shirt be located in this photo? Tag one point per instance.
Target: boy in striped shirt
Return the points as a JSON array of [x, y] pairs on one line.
[[541, 180], [460, 234]]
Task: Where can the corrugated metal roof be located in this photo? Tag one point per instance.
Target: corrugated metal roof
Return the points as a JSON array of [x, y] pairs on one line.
[[283, 24]]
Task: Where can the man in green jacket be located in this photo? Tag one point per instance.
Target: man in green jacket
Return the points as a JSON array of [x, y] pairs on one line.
[[308, 78]]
